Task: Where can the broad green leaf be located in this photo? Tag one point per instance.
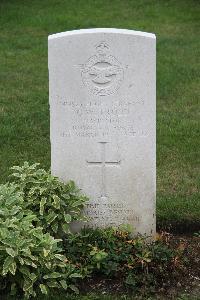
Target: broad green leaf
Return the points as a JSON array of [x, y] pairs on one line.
[[15, 174], [60, 257], [11, 200], [13, 268], [42, 204], [28, 285], [35, 258], [75, 275], [98, 256], [56, 202], [30, 263], [51, 217], [43, 289], [48, 265], [65, 228], [74, 288], [67, 218], [25, 270], [64, 284], [21, 260], [30, 218], [77, 203], [54, 227], [7, 264], [11, 252], [53, 275], [4, 233], [32, 277], [46, 252], [53, 284], [71, 185], [66, 196], [42, 190], [15, 210], [3, 212]]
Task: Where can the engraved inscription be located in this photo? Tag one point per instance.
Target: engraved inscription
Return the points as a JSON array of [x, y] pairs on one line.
[[103, 163], [113, 214], [102, 74], [92, 119]]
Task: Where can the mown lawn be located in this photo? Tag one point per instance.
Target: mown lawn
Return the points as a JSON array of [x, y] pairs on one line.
[[24, 110]]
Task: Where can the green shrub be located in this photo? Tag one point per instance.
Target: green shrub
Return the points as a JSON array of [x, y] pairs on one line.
[[112, 253], [38, 254], [55, 203], [30, 260], [35, 209]]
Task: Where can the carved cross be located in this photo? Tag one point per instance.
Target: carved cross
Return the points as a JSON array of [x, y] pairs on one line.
[[103, 163]]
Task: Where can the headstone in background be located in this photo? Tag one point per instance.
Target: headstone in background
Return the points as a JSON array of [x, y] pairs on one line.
[[103, 122]]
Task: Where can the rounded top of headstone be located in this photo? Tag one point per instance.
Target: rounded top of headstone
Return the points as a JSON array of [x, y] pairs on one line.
[[102, 30]]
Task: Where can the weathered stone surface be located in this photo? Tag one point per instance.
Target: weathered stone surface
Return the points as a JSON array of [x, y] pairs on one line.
[[103, 122]]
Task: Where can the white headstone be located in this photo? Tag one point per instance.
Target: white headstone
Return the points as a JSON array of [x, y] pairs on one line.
[[103, 122]]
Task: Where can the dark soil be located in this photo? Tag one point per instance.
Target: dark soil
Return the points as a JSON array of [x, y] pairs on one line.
[[184, 284], [178, 226]]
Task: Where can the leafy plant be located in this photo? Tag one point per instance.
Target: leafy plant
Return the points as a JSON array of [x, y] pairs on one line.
[[38, 253], [56, 204], [98, 256], [197, 234], [116, 253], [30, 260]]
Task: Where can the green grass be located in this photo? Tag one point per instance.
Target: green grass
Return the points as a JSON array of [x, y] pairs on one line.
[[24, 111]]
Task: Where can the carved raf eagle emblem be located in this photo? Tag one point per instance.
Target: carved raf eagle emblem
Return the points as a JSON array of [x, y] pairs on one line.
[[102, 74]]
